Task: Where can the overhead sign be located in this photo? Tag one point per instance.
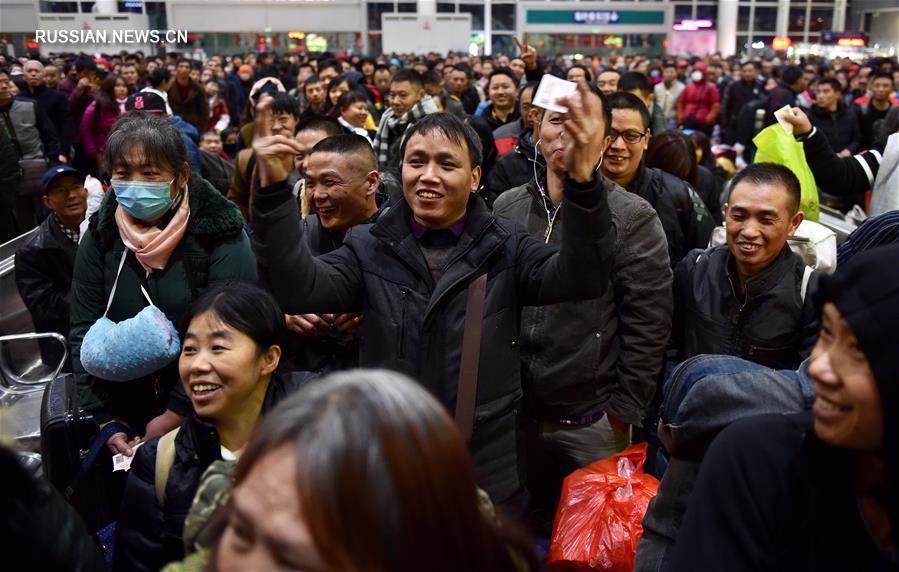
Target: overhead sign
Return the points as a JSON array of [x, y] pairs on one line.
[[596, 17], [846, 39], [781, 43], [693, 25]]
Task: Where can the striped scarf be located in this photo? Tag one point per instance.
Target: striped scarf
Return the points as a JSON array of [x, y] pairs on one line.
[[389, 121]]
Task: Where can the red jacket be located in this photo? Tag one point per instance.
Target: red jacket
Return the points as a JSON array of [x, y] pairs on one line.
[[697, 101], [94, 133]]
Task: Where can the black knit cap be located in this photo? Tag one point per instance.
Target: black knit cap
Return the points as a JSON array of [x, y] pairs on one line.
[[866, 293]]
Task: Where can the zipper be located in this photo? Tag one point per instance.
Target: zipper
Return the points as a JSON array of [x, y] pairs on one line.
[[404, 296]]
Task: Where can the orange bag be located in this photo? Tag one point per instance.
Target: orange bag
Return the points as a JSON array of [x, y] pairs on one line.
[[599, 519]]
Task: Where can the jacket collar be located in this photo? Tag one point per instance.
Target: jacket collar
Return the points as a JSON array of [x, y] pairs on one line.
[[212, 216], [766, 278]]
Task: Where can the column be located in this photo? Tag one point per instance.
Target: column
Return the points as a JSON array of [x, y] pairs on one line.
[[488, 28], [839, 16], [427, 7], [727, 27], [783, 18]]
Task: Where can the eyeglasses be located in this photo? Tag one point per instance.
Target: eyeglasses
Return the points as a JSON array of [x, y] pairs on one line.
[[630, 137]]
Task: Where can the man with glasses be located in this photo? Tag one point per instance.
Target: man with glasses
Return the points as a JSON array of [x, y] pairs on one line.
[[685, 218]]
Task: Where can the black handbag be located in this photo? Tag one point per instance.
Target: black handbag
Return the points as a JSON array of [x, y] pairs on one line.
[[75, 458]]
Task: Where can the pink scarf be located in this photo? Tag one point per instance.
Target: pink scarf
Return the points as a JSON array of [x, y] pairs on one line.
[[151, 245]]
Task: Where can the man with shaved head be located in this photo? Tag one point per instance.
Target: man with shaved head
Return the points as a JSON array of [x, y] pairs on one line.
[[52, 104]]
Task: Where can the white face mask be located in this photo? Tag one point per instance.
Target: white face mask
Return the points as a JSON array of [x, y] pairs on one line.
[[696, 76]]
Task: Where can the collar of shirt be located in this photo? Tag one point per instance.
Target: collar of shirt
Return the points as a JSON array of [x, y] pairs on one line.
[[73, 235], [454, 231]]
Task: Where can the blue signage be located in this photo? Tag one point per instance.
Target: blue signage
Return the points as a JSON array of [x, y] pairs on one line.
[[595, 16]]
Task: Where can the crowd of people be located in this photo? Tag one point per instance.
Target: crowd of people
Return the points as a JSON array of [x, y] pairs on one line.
[[379, 308]]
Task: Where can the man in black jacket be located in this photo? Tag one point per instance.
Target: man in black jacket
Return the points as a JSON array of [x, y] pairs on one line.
[[461, 88], [411, 273], [44, 264], [748, 298], [834, 119], [684, 216], [53, 104], [738, 94]]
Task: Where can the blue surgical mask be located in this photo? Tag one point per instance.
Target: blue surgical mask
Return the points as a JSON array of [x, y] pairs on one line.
[[654, 73], [144, 200]]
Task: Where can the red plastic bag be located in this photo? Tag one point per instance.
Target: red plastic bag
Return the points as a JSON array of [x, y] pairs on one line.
[[600, 515]]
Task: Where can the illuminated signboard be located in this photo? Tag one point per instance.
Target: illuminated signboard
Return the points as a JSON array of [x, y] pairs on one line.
[[596, 17], [134, 4], [846, 39], [851, 42], [781, 43], [693, 25]]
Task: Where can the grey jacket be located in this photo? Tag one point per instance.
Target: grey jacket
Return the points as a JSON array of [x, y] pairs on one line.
[[604, 354], [414, 324]]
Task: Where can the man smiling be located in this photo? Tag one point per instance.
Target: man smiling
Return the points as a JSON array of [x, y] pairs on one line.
[[748, 298], [413, 273]]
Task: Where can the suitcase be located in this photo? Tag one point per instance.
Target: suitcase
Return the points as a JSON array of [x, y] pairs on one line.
[[67, 434]]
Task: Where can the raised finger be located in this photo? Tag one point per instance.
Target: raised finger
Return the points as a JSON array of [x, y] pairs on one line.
[[518, 43], [263, 117], [526, 43]]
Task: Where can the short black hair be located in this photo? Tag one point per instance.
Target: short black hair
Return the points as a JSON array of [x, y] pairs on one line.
[[283, 102], [183, 60], [330, 63], [771, 174], [506, 71], [381, 68], [349, 144], [244, 307], [464, 68], [453, 129], [431, 77], [833, 83], [85, 63], [880, 75], [635, 81], [159, 141], [311, 80], [349, 98], [327, 125], [410, 75], [158, 76], [623, 100]]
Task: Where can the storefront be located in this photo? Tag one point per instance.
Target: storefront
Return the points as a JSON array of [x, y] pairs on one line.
[[596, 28]]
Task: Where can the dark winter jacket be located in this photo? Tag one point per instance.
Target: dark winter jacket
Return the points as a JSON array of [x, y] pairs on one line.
[[414, 324], [194, 108], [772, 326], [148, 535], [840, 127], [517, 167], [685, 218], [35, 134], [214, 251], [772, 496], [44, 267], [778, 97], [605, 354], [495, 122], [470, 100], [55, 106], [737, 94]]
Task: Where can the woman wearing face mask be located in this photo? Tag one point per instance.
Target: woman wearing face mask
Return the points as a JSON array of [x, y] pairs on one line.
[[230, 351], [363, 471], [101, 114], [819, 490], [161, 236]]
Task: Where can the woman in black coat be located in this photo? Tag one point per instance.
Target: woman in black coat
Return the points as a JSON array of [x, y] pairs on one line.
[[231, 349]]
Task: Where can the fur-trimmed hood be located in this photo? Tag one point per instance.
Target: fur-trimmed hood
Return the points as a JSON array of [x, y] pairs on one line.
[[212, 216]]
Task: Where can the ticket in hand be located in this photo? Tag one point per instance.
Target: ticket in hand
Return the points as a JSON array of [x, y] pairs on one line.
[[779, 115], [122, 463], [550, 90]]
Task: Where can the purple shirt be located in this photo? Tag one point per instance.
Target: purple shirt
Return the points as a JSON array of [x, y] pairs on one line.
[[457, 228]]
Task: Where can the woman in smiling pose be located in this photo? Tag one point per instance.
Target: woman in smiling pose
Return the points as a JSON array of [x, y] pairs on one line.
[[815, 491], [231, 349]]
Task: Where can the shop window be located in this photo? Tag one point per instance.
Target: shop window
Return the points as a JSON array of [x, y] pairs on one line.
[[374, 43], [743, 19], [477, 15], [504, 44], [59, 7], [707, 12], [446, 7], [87, 7], [683, 12], [765, 19], [406, 7], [503, 17], [821, 19], [797, 20], [375, 9]]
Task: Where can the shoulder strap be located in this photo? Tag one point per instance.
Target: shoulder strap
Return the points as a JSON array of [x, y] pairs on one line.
[[165, 458], [806, 274], [466, 394]]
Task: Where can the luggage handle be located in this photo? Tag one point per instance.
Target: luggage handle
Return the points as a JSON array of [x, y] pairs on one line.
[[6, 373]]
